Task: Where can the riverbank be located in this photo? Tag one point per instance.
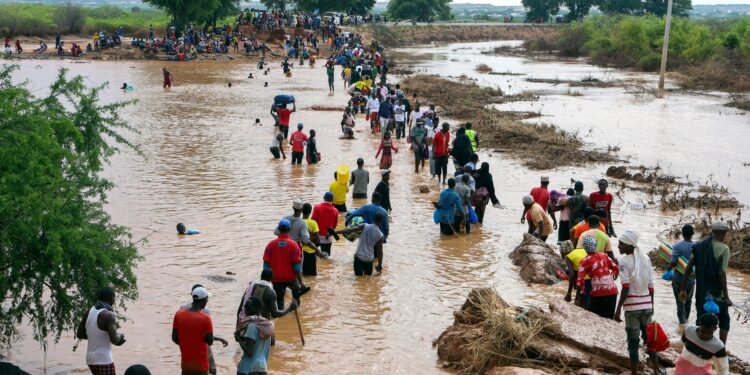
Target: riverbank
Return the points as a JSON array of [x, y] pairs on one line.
[[402, 36], [703, 55]]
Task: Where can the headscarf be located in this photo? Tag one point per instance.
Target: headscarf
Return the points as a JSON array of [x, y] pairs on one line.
[[642, 266], [589, 244]]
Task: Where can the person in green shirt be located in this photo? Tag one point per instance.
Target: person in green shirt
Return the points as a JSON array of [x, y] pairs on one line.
[[330, 71], [711, 259]]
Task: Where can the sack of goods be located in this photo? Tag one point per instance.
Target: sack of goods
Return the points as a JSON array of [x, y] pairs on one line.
[[283, 99], [354, 223]]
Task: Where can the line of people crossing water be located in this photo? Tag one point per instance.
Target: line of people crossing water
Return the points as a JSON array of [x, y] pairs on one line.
[[308, 234]]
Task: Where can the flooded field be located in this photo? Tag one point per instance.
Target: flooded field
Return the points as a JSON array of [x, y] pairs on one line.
[[207, 165]]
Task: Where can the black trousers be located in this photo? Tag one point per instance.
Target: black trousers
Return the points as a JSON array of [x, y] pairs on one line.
[[603, 306], [362, 268], [441, 166], [563, 231], [325, 248], [297, 157], [340, 207], [309, 264], [447, 229], [285, 130], [280, 289]]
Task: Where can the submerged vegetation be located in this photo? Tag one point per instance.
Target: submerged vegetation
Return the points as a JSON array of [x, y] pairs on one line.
[[710, 54]]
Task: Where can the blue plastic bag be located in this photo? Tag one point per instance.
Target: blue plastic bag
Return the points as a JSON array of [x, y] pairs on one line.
[[669, 275], [473, 219], [710, 306], [436, 217]]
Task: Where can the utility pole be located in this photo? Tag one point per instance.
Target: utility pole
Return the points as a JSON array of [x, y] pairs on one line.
[[665, 49]]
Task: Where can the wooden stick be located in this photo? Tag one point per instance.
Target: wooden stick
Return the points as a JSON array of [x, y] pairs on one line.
[[299, 326]]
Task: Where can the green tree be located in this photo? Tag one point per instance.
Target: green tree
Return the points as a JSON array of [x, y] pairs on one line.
[[71, 18], [183, 12], [577, 9], [419, 10], [659, 7], [274, 4], [540, 10], [350, 6], [620, 6], [57, 245], [225, 8], [361, 7]]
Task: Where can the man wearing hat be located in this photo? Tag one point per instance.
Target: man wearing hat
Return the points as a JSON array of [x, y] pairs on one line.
[[298, 142], [711, 259], [193, 331], [300, 231], [384, 189], [283, 256], [636, 297], [540, 194], [327, 217]]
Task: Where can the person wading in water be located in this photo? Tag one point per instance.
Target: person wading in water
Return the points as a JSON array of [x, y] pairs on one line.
[[99, 327]]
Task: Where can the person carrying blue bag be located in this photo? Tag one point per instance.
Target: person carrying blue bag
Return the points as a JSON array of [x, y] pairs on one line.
[[681, 252], [711, 259]]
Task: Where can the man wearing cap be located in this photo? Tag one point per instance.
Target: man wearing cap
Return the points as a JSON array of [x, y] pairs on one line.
[[384, 189], [99, 328], [540, 224], [636, 297], [540, 194], [711, 259], [360, 179], [327, 217], [192, 330], [298, 141], [211, 361], [602, 200], [283, 256]]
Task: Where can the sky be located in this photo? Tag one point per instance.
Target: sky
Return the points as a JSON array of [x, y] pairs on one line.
[[518, 2]]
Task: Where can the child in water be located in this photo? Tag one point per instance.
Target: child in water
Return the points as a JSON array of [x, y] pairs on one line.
[[184, 231]]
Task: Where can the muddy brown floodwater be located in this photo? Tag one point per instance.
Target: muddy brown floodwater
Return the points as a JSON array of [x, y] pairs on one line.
[[207, 165]]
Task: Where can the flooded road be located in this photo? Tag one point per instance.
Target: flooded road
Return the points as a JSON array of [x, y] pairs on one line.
[[207, 165]]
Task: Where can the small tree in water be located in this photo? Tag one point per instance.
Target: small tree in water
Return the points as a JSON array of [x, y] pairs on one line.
[[57, 245]]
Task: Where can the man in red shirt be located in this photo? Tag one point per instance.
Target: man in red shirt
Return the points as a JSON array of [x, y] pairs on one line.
[[440, 150], [601, 200], [541, 197], [193, 331], [284, 257], [298, 140], [284, 114], [327, 217]]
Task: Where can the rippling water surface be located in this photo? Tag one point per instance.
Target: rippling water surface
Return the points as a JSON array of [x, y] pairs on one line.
[[207, 165]]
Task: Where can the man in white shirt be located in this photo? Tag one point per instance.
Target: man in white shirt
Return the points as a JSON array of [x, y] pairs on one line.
[[399, 115], [636, 298], [373, 105]]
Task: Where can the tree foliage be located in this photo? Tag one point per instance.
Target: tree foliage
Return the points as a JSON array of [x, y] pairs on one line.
[[659, 7], [419, 10], [183, 12], [274, 4], [57, 244], [349, 6], [71, 18], [540, 10]]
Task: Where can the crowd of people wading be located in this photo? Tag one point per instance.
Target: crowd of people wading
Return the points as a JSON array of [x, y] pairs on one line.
[[404, 122]]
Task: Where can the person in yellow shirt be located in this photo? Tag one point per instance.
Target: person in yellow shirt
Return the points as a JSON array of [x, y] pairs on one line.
[[339, 191], [347, 76], [309, 260], [573, 261]]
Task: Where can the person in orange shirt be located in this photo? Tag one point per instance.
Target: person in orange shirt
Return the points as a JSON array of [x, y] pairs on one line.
[[577, 230]]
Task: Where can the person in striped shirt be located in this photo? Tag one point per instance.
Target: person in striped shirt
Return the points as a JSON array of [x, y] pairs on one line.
[[636, 298]]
